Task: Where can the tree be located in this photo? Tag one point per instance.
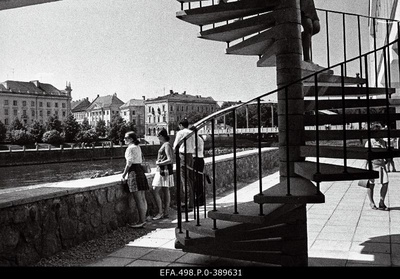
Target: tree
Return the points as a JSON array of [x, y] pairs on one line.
[[21, 137], [37, 130], [70, 128], [87, 136], [54, 124], [3, 131], [117, 129], [52, 137], [85, 125], [101, 128], [16, 124]]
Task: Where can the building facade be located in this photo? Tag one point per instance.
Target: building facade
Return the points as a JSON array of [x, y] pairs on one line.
[[33, 100], [166, 111], [78, 109], [103, 108], [134, 111]]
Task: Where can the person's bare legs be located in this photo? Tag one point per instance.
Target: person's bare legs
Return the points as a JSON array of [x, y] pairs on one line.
[[370, 194], [167, 201], [310, 28], [158, 199], [383, 195], [141, 204]]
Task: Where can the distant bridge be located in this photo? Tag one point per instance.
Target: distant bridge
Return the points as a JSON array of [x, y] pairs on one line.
[[227, 131]]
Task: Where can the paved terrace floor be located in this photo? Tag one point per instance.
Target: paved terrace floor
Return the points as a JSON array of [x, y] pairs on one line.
[[344, 231]]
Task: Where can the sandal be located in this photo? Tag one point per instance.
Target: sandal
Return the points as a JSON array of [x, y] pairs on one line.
[[373, 206], [137, 226], [382, 206], [158, 216]]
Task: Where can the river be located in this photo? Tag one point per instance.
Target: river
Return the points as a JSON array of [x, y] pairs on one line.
[[18, 176]]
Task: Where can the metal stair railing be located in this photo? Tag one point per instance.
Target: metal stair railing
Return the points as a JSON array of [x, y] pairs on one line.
[[212, 121]]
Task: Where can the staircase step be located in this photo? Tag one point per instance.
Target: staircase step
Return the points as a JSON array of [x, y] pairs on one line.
[[249, 212], [268, 59], [206, 227], [301, 191], [233, 10], [337, 119], [329, 172], [310, 135], [352, 152], [255, 45], [348, 91], [239, 28], [350, 103], [332, 80]]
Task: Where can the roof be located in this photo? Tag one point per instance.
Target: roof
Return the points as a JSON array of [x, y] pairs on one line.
[[176, 97], [34, 87], [133, 103], [105, 102], [80, 105]]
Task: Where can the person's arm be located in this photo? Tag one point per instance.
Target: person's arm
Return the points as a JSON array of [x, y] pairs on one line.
[[177, 139]]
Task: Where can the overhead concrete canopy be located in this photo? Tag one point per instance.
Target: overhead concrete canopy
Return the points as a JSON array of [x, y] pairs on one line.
[[12, 4]]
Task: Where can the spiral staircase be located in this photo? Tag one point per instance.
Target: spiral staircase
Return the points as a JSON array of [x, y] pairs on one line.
[[272, 228]]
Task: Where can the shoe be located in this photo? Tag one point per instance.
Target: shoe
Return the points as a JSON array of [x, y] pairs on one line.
[[373, 206], [137, 226], [158, 216], [382, 206]]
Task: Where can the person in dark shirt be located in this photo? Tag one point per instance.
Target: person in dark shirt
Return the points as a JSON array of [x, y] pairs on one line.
[[311, 26]]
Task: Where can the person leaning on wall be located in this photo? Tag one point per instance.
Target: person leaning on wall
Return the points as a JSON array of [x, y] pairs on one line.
[[137, 181]]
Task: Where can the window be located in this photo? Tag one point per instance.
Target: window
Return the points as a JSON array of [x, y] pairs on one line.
[[40, 104], [15, 112], [63, 113], [6, 121], [133, 112], [172, 108], [48, 113], [33, 113], [56, 112], [24, 112], [56, 105], [63, 105], [48, 104], [24, 103], [15, 103], [32, 103], [41, 113], [5, 111], [6, 102], [124, 112]]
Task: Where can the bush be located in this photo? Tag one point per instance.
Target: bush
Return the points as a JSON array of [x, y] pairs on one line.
[[88, 136], [21, 137], [52, 137]]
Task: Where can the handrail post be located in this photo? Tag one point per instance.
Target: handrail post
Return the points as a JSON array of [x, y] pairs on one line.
[[234, 162], [259, 154]]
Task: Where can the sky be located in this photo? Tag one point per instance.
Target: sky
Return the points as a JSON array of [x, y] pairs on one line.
[[132, 48]]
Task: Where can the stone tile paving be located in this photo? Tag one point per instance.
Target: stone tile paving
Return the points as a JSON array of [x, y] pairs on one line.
[[343, 231]]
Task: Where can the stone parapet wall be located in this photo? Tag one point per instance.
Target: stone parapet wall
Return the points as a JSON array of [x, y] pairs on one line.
[[41, 220], [41, 156]]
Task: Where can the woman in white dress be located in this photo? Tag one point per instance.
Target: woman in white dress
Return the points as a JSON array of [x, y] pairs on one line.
[[164, 177]]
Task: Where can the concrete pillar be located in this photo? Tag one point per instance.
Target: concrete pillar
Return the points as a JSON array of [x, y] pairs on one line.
[[288, 60]]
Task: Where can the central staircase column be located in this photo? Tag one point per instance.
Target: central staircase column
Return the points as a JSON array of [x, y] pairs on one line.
[[290, 114], [288, 61]]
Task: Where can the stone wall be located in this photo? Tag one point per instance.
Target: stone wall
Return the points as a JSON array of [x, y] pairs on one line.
[[41, 221], [40, 156]]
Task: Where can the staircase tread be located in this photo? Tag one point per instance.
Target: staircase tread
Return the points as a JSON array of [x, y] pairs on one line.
[[309, 135], [330, 172], [348, 91], [337, 119], [255, 45], [328, 80], [218, 13], [302, 191], [240, 28], [206, 226]]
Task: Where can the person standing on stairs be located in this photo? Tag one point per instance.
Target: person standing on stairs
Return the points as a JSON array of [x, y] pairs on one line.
[[311, 26], [380, 166]]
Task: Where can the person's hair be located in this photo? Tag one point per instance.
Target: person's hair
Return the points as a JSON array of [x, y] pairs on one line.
[[163, 133], [133, 136], [184, 122]]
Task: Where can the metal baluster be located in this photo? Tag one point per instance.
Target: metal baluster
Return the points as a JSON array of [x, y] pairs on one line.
[[259, 153], [178, 188], [287, 141], [234, 162], [387, 96], [196, 180], [375, 53], [344, 119], [359, 45], [388, 53], [213, 171], [327, 39], [344, 43], [317, 127], [368, 113]]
